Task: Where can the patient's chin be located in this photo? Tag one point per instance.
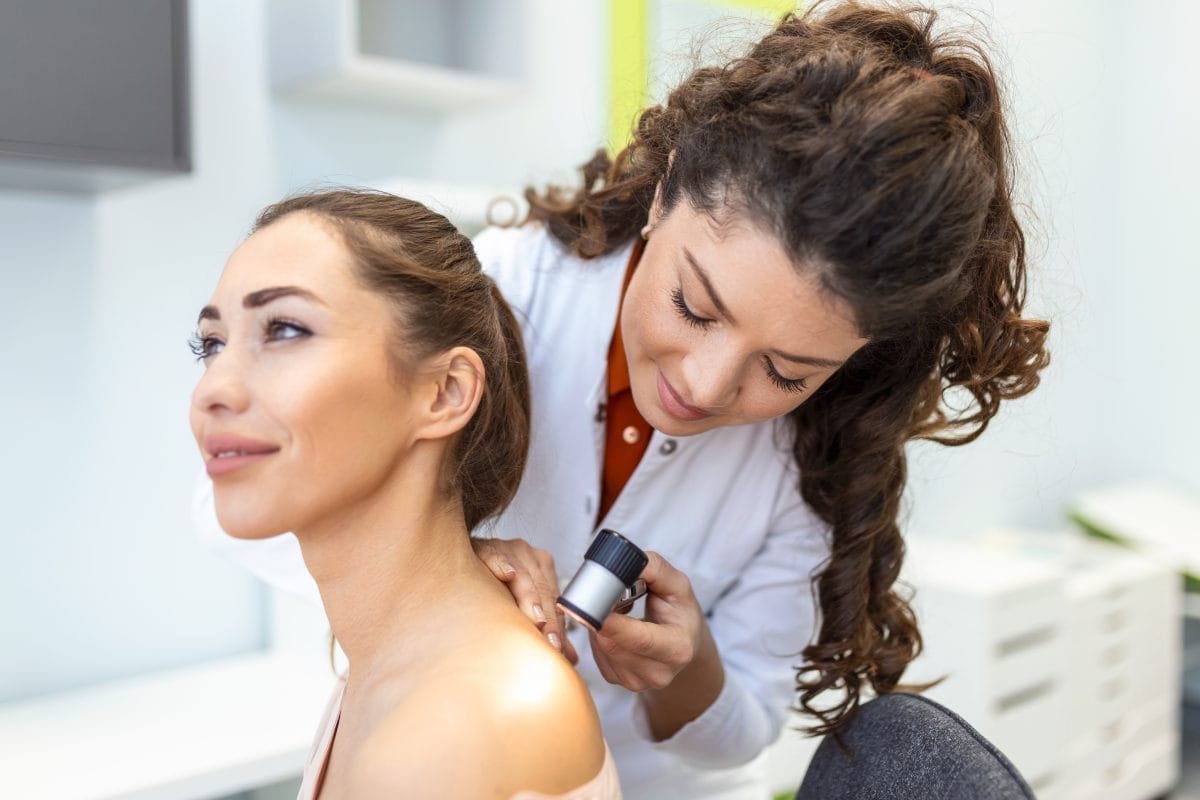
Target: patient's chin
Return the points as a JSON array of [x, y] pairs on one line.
[[243, 519]]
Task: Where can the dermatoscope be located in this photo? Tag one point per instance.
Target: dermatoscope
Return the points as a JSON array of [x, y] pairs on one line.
[[606, 582]]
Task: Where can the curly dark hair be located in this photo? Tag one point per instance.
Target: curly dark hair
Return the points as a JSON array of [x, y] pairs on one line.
[[876, 151]]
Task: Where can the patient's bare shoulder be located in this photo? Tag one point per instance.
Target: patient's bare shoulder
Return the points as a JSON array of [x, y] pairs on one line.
[[520, 719]]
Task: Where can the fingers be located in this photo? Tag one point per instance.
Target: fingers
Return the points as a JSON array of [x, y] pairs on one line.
[[535, 595], [663, 579], [628, 634], [532, 580], [621, 668], [496, 562], [569, 651]]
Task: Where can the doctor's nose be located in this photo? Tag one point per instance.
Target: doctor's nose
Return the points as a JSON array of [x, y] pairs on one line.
[[713, 381]]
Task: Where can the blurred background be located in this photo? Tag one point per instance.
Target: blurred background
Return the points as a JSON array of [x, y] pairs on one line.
[[138, 139]]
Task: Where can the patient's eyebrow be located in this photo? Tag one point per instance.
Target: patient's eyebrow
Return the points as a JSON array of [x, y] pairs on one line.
[[261, 298], [264, 296]]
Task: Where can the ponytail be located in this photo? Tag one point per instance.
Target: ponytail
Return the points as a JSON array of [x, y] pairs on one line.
[[493, 450]]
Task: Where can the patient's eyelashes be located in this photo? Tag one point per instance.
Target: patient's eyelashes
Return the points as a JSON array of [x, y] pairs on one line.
[[204, 346], [275, 329]]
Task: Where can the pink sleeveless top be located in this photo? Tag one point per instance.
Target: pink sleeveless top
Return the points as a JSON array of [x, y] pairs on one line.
[[604, 786]]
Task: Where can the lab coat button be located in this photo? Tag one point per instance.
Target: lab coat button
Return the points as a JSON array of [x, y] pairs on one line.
[[601, 412], [668, 447], [630, 435]]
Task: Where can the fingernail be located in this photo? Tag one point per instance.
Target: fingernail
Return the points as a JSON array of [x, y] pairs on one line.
[[554, 641], [508, 569], [538, 614]]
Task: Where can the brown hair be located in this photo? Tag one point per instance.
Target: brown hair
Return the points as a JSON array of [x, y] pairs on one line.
[[429, 271], [877, 153]]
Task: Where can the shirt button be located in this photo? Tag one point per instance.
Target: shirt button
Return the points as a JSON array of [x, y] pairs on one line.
[[668, 447], [630, 435]]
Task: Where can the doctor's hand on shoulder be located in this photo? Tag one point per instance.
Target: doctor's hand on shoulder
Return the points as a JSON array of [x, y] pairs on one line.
[[529, 573], [669, 657]]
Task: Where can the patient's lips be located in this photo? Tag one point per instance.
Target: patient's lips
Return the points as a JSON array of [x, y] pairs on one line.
[[227, 452]]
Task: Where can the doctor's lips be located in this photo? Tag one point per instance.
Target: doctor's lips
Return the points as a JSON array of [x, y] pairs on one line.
[[226, 453], [675, 405]]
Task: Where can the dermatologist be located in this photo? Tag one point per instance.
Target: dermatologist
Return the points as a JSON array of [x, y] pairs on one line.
[[734, 327]]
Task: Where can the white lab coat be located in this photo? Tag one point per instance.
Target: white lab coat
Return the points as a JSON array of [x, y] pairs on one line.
[[723, 507]]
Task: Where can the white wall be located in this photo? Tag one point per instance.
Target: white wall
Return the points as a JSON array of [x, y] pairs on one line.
[[1155, 274], [101, 575], [1104, 113], [1042, 448]]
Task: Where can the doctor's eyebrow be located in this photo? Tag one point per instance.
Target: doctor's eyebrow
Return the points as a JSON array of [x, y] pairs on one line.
[[811, 361], [261, 298], [708, 287]]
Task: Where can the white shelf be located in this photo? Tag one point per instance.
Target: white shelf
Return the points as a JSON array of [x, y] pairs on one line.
[[400, 85], [445, 57], [201, 732], [1159, 520]]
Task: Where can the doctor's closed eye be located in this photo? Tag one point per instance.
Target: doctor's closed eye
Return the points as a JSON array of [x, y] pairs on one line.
[[787, 384], [685, 311], [703, 323], [274, 329]]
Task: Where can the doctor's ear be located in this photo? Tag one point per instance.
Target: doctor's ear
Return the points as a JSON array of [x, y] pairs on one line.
[[655, 212], [656, 208], [452, 390]]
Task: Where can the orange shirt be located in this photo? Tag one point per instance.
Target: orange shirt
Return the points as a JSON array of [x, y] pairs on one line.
[[626, 434]]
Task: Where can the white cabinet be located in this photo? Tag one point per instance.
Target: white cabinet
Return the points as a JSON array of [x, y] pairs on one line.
[[993, 625], [187, 734], [1123, 634], [1064, 652]]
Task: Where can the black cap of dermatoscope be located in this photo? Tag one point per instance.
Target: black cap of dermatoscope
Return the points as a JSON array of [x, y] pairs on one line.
[[618, 555]]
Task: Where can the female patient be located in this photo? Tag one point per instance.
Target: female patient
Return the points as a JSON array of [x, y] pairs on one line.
[[365, 388]]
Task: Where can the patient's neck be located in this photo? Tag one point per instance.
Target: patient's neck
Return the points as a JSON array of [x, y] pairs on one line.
[[391, 566]]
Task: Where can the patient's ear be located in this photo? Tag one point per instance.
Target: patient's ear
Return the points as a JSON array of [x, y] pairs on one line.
[[452, 384]]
